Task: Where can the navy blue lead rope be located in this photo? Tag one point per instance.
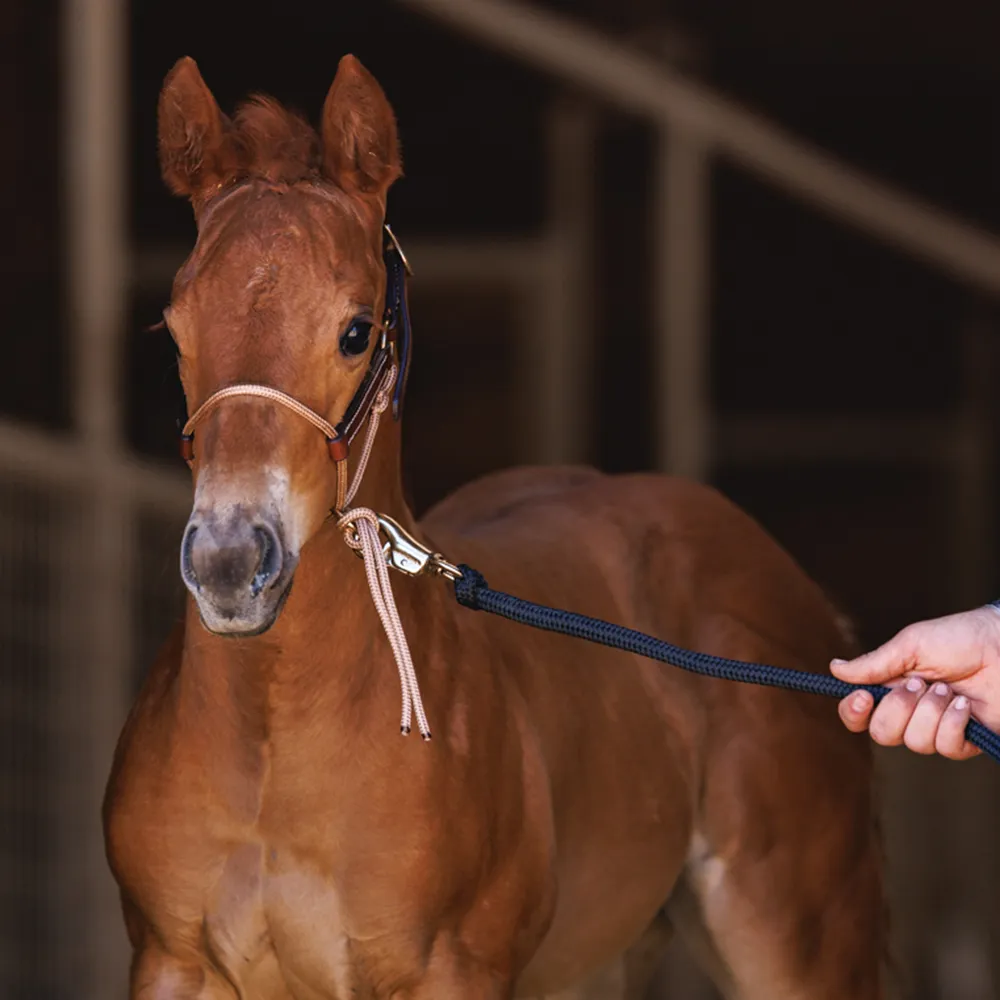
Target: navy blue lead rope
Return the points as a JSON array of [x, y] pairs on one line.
[[474, 592]]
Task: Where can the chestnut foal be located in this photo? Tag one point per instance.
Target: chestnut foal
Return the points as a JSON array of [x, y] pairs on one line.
[[273, 834]]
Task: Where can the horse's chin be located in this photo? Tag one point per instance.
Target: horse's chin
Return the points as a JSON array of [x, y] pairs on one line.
[[257, 619]]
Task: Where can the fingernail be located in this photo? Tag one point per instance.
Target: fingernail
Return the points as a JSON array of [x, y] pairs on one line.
[[837, 662], [914, 684], [961, 703], [941, 689], [859, 702]]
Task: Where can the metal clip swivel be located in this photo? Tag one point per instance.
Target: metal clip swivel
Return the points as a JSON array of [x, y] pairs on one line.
[[404, 553]]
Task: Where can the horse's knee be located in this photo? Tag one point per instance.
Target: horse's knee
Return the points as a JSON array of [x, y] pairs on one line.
[[450, 976], [159, 976]]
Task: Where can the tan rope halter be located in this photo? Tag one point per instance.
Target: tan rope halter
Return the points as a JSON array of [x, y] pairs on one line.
[[338, 449]]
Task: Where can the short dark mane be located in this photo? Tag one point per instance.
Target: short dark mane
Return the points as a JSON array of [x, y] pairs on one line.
[[269, 141]]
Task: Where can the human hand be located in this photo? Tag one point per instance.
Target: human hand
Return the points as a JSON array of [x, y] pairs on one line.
[[941, 671]]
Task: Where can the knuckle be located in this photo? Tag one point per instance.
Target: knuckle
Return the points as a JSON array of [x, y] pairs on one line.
[[950, 740], [885, 739], [854, 723], [884, 732], [907, 644], [919, 743]]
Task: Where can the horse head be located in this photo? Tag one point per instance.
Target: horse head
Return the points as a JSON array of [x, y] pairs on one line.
[[284, 290]]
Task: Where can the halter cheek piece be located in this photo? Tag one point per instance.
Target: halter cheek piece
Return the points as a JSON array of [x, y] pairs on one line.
[[389, 361]]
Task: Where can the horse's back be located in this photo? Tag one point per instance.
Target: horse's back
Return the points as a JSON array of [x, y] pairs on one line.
[[679, 553]]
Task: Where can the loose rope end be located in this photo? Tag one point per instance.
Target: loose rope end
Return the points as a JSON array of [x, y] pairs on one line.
[[361, 532]]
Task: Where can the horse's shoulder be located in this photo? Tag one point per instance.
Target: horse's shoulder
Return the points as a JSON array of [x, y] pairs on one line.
[[675, 538]]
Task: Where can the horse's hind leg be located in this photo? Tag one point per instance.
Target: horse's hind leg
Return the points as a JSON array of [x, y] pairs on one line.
[[758, 942], [644, 958], [787, 880], [684, 910]]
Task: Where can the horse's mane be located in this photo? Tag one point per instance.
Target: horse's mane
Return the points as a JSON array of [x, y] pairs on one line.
[[266, 140]]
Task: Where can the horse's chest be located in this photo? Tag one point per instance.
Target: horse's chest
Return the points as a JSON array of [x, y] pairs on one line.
[[277, 892], [279, 926], [263, 917]]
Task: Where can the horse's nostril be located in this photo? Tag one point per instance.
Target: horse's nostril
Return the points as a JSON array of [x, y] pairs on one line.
[[230, 561], [187, 562], [269, 566]]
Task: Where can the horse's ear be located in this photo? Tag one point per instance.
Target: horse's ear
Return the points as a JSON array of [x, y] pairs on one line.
[[360, 146], [191, 131]]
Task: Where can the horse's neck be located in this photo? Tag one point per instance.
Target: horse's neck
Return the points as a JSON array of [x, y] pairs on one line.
[[381, 486], [327, 654]]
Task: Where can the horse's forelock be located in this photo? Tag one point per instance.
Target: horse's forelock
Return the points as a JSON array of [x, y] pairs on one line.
[[273, 143]]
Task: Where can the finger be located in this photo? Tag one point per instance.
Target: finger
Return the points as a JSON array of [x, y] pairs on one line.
[[891, 717], [951, 741], [855, 711], [892, 659], [921, 730]]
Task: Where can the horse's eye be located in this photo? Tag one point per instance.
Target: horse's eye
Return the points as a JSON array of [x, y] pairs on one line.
[[354, 340]]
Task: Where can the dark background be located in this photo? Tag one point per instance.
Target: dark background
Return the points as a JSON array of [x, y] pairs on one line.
[[807, 318]]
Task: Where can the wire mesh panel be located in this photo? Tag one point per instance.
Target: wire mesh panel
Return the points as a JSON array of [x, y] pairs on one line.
[[28, 675], [77, 581]]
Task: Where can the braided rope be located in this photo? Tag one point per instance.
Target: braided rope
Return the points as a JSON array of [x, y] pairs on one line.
[[379, 407], [361, 532], [262, 392], [472, 591]]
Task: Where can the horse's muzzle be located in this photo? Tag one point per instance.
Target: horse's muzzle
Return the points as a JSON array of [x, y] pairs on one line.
[[237, 568]]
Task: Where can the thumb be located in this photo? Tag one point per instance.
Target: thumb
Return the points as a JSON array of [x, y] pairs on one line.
[[892, 659]]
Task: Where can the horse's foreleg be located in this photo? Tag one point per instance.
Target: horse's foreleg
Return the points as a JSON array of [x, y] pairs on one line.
[[462, 981], [158, 976], [629, 976]]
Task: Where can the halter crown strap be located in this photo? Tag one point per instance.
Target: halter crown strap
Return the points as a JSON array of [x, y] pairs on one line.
[[397, 313]]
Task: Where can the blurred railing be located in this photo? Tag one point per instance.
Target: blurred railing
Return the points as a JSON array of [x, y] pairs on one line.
[[942, 925], [695, 125], [80, 512]]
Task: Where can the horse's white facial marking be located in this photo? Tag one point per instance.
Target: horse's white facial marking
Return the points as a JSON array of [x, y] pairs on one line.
[[287, 505], [224, 498]]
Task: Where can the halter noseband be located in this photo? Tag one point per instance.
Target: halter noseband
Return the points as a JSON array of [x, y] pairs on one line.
[[387, 372]]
